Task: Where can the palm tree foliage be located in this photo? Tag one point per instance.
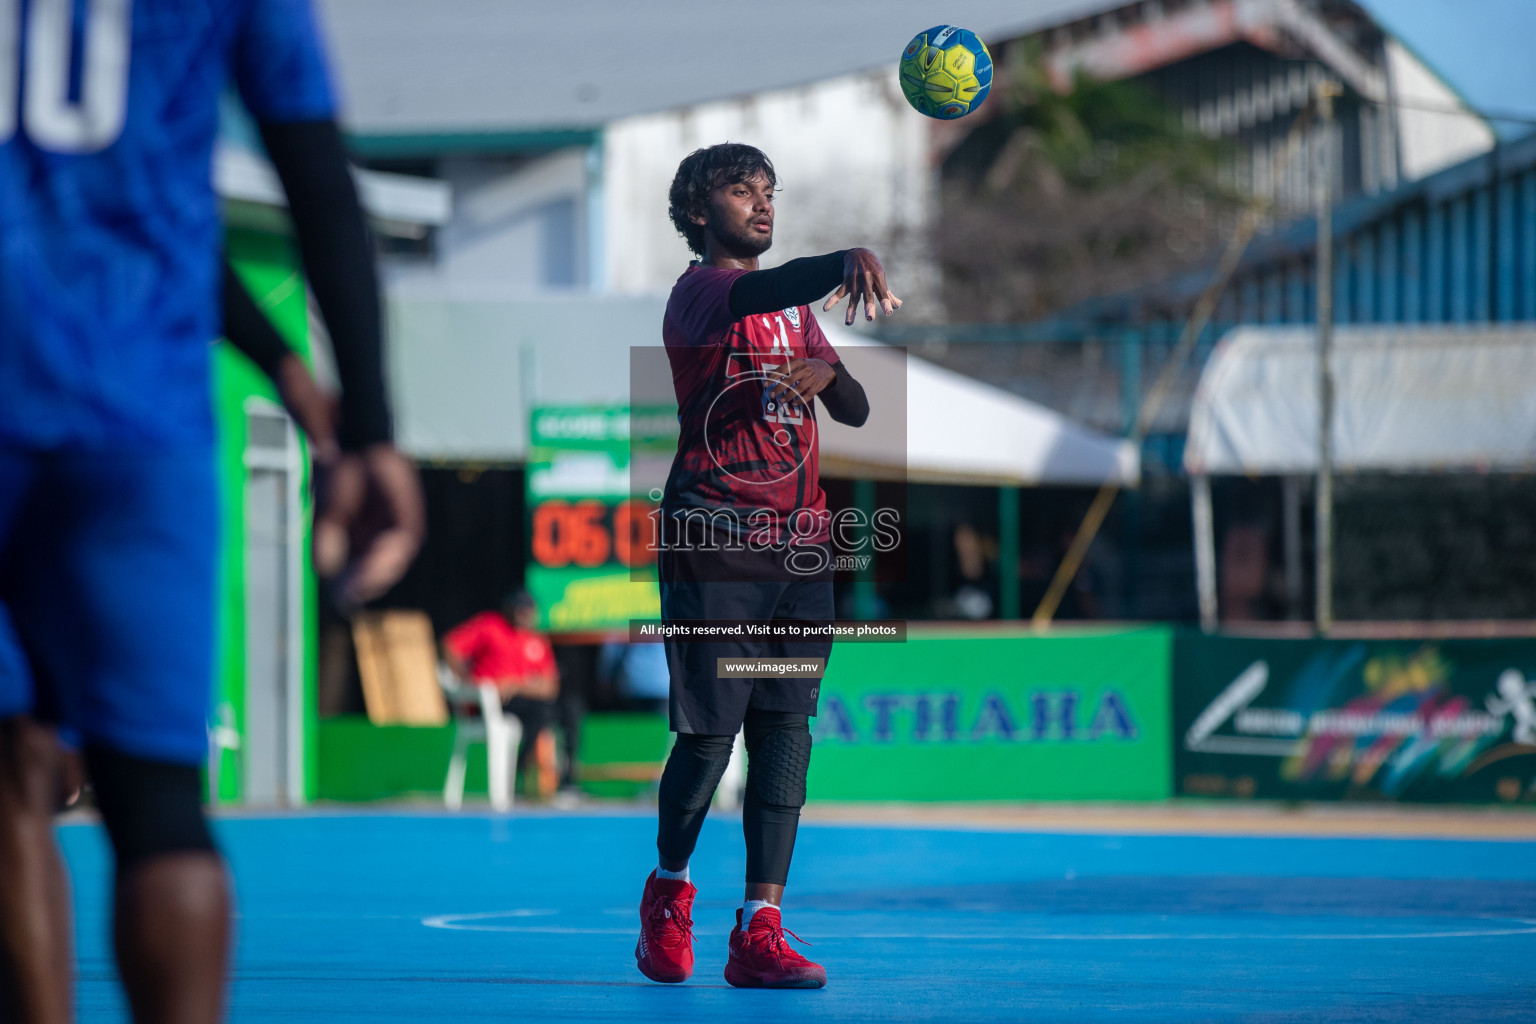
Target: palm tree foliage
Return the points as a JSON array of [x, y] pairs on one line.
[[1068, 194]]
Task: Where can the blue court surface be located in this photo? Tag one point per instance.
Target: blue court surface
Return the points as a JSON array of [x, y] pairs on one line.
[[420, 917]]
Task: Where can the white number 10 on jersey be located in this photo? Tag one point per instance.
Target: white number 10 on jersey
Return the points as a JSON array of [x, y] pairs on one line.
[[48, 116]]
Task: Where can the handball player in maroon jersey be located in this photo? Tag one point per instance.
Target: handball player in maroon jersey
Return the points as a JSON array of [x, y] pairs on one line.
[[745, 537]]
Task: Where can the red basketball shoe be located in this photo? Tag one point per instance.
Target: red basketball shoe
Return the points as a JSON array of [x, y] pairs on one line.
[[665, 949], [760, 958]]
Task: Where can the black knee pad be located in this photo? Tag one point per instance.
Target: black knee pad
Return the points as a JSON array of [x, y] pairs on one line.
[[779, 757], [149, 808], [694, 769]]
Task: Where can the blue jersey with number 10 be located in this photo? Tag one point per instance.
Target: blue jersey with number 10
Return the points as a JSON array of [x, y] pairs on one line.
[[109, 227]]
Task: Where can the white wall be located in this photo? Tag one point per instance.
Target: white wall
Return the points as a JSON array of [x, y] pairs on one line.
[[1430, 141], [852, 159], [518, 226]]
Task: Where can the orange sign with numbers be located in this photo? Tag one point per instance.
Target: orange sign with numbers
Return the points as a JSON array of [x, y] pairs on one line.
[[590, 533]]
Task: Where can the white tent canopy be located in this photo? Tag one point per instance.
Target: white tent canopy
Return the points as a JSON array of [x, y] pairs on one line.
[[953, 428], [467, 370], [1406, 398]]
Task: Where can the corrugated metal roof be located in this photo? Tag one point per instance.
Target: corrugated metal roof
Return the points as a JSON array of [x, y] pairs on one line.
[[410, 66], [1297, 241]]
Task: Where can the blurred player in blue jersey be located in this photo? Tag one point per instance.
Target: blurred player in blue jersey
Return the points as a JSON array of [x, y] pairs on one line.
[[109, 276]]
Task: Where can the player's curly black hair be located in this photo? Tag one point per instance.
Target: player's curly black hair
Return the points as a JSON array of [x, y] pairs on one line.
[[705, 170]]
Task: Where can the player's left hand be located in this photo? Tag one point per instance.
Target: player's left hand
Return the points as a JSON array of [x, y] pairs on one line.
[[803, 380], [369, 523]]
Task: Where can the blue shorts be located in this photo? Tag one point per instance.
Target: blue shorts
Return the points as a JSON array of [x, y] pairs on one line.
[[107, 575]]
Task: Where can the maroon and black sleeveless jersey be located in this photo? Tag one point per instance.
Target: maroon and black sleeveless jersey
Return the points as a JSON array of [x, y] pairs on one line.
[[737, 450]]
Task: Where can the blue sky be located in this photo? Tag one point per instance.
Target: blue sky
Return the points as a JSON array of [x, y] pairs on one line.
[[1482, 47]]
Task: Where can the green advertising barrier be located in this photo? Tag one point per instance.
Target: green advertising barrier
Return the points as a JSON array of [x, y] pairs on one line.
[[1081, 715], [590, 559], [983, 716], [1430, 720], [621, 755]]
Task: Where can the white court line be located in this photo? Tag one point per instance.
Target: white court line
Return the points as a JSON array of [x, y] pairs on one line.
[[471, 923], [438, 920]]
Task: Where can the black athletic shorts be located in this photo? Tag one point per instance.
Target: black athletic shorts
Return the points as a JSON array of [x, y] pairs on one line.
[[734, 585]]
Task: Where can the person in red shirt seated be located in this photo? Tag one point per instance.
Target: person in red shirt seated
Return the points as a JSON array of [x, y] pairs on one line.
[[503, 648]]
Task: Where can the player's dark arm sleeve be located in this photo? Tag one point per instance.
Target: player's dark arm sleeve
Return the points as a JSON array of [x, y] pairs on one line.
[[797, 283], [844, 398], [247, 328], [337, 251]]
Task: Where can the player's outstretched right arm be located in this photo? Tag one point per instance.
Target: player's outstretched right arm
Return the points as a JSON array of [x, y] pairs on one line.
[[855, 273]]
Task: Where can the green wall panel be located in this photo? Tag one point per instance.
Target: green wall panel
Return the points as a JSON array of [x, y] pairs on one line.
[[269, 269], [1077, 716]]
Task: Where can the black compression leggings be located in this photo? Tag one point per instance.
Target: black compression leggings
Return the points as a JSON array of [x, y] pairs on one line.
[[778, 754]]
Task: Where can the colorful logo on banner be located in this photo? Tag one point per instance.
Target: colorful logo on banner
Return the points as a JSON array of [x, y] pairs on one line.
[[591, 563], [1446, 720]]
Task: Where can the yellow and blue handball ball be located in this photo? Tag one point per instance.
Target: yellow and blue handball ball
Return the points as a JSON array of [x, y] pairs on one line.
[[946, 72]]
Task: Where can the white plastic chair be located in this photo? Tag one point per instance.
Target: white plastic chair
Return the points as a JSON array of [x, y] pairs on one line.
[[500, 732]]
